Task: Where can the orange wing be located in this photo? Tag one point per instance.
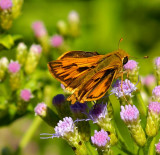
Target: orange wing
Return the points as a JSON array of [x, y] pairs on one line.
[[69, 71], [96, 87]]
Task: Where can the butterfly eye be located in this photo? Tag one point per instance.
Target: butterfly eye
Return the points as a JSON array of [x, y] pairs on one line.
[[125, 60]]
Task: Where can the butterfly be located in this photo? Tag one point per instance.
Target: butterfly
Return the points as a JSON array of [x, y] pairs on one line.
[[88, 75]]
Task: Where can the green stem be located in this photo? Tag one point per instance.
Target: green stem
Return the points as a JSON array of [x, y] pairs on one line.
[[28, 135], [142, 104]]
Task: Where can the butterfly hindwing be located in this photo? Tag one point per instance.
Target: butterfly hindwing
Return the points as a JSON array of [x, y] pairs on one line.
[[96, 87]]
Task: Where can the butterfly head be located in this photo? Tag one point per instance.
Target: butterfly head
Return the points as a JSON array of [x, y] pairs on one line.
[[123, 55]]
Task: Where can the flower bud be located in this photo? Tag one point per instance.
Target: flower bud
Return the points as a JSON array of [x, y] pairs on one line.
[[16, 9], [41, 34], [3, 67], [132, 67], [21, 53], [14, 75], [149, 83], [26, 95], [73, 19], [156, 94], [22, 104], [157, 64], [130, 115], [39, 29], [79, 110], [5, 4], [6, 14], [62, 27], [153, 119], [158, 148], [56, 41], [33, 58], [99, 115], [102, 141], [46, 114], [61, 105]]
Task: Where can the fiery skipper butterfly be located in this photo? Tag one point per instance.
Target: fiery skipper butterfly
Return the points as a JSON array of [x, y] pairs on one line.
[[87, 74]]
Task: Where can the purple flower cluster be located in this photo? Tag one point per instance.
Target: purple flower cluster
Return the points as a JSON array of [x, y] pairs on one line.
[[40, 109], [14, 67], [36, 49], [154, 107], [79, 107], [5, 4], [127, 88], [64, 127], [56, 40], [98, 111], [157, 62], [156, 93], [130, 65], [101, 138], [149, 80], [26, 95], [39, 29], [129, 113]]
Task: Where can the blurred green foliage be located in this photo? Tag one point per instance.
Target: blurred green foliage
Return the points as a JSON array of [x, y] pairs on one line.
[[103, 23]]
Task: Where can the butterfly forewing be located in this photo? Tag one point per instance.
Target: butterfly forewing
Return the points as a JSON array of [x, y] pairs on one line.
[[68, 69]]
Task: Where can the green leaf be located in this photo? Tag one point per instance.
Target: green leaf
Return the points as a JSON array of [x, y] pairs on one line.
[[151, 149], [90, 149], [122, 129], [8, 41], [138, 102]]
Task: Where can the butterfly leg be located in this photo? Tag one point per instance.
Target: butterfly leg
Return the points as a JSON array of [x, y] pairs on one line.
[[122, 89], [121, 75]]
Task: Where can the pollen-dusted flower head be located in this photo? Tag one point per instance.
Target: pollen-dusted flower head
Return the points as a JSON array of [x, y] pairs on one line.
[[156, 93], [14, 67], [37, 49], [127, 88], [149, 80], [154, 107], [98, 111], [73, 17], [5, 4], [40, 109], [158, 147], [129, 113], [56, 40], [157, 62], [64, 127], [26, 95], [130, 65], [39, 29], [101, 138]]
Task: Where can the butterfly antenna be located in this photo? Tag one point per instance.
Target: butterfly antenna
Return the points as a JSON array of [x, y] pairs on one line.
[[120, 42], [144, 57], [47, 134]]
